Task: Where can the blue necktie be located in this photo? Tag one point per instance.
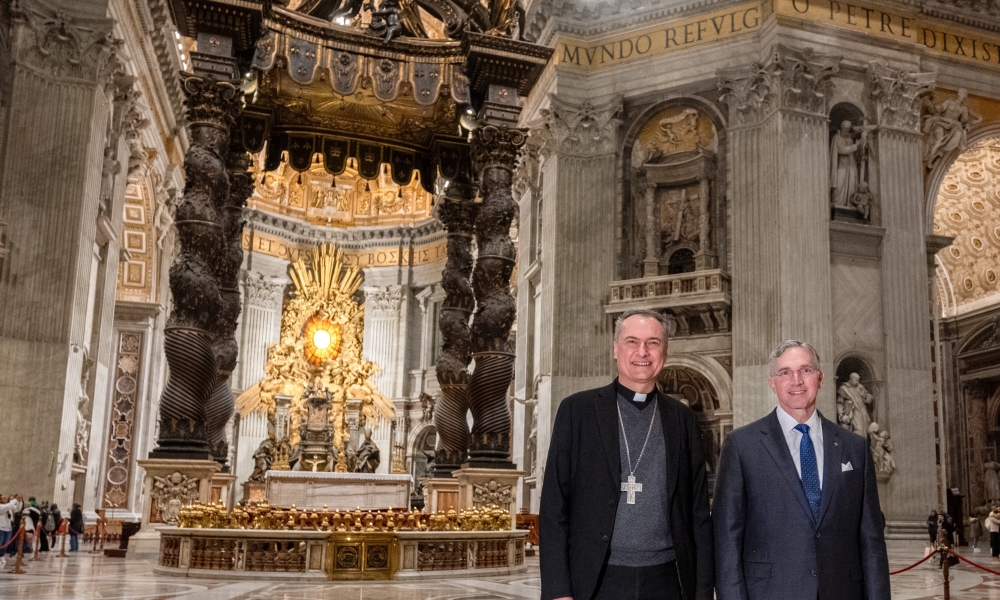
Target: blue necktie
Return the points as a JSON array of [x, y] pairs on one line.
[[810, 474]]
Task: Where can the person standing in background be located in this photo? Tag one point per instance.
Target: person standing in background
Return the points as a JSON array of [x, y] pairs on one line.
[[75, 527]]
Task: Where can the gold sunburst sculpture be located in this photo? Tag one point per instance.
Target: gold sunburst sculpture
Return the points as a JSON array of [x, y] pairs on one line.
[[322, 329]]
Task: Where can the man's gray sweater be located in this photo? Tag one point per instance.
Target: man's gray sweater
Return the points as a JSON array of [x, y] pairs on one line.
[[642, 530]]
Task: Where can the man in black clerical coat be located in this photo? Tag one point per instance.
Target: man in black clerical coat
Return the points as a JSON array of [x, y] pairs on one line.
[[624, 507]]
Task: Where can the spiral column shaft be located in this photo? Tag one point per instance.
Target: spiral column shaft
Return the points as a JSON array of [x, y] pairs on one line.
[[458, 213], [495, 152]]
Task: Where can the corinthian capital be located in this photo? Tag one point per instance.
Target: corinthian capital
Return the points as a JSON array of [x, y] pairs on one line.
[[897, 95], [791, 78], [383, 302], [56, 45], [496, 146], [583, 129], [211, 102]]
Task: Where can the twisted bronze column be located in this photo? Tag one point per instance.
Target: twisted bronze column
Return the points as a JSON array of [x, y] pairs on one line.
[[227, 271], [495, 151], [458, 213], [212, 108]]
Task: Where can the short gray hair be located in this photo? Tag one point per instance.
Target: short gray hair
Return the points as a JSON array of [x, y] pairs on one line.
[[649, 314], [788, 345]]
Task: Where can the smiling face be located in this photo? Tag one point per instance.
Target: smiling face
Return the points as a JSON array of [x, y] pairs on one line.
[[640, 349], [795, 390]]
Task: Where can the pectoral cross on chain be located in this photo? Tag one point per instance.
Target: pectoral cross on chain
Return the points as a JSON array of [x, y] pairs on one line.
[[631, 487]]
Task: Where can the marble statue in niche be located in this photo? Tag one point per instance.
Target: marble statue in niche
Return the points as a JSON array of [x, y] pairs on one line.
[[946, 126], [849, 165], [853, 402]]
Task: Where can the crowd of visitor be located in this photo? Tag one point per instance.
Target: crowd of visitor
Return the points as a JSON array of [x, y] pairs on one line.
[[42, 523]]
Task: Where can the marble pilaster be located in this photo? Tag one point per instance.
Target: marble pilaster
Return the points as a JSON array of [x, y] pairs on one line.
[[896, 96], [781, 255], [383, 315], [577, 206], [50, 196]]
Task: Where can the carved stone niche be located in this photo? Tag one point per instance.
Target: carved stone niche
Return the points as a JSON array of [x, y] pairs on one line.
[[673, 180], [852, 166]]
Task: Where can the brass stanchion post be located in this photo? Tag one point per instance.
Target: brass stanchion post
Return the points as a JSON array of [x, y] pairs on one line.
[[945, 567], [37, 541], [19, 562], [62, 550]]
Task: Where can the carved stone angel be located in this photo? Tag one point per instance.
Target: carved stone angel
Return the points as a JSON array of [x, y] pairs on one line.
[[947, 126]]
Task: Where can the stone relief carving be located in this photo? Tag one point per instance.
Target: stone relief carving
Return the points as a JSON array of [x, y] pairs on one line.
[[172, 493], [897, 95], [853, 402], [946, 127], [531, 435], [82, 441], [579, 129], [672, 175], [492, 493], [383, 302], [163, 215]]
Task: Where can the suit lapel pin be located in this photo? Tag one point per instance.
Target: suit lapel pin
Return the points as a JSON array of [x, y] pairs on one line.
[[836, 444]]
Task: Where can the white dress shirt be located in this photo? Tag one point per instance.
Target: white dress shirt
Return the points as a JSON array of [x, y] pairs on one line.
[[793, 438]]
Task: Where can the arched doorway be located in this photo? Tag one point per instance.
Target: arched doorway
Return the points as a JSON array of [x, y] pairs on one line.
[[694, 389]]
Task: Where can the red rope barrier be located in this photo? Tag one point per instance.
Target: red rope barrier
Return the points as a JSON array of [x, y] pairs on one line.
[[916, 564], [979, 566], [12, 540]]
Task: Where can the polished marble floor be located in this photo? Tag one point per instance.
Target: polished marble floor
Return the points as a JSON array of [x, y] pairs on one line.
[[97, 577]]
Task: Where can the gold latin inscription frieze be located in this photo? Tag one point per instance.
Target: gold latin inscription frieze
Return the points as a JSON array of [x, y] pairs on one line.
[[934, 36], [672, 36], [375, 257]]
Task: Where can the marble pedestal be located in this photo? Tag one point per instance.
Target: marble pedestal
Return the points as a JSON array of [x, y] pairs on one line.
[[440, 493], [488, 487], [222, 486], [338, 491], [145, 544], [253, 492]]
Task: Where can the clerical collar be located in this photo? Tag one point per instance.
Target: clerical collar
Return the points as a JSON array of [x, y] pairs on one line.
[[639, 400]]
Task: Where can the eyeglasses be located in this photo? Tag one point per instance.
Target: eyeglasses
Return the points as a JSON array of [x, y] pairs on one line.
[[804, 373]]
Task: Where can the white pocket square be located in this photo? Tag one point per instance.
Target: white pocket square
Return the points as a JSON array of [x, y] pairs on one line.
[[847, 466]]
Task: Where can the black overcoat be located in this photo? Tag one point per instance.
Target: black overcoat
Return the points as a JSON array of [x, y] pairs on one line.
[[582, 487]]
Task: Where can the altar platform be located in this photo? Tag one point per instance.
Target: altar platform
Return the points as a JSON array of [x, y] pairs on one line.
[[309, 490]]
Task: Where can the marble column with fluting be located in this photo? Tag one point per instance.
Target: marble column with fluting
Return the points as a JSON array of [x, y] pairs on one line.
[[908, 389], [50, 198], [780, 218], [260, 326], [383, 314], [578, 184]]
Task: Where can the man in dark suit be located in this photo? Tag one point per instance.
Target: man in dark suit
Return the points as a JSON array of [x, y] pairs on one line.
[[624, 507], [796, 510]]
